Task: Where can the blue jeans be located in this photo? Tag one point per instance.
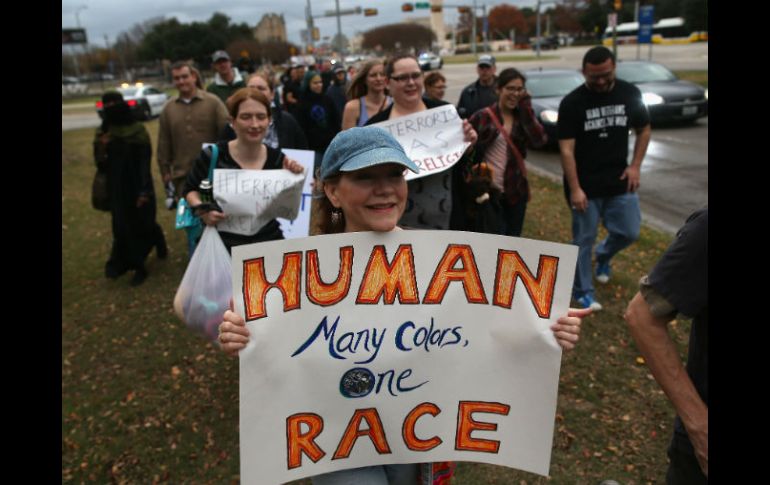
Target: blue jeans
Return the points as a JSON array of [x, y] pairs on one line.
[[621, 217], [405, 474]]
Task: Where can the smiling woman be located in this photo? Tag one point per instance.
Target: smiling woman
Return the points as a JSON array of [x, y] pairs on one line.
[[250, 110]]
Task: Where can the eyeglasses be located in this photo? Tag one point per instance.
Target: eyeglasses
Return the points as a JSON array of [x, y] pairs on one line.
[[403, 78], [516, 89]]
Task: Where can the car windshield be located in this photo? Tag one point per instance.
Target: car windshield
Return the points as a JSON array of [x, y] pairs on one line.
[[128, 91], [552, 86], [644, 73]]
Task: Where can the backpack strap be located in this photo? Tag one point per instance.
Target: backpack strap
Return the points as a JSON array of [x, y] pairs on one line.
[[507, 137]]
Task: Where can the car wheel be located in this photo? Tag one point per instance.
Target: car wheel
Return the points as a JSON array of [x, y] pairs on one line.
[[147, 112]]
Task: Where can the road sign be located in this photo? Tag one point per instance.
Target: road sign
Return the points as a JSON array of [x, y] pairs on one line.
[[645, 24], [73, 36], [422, 5]]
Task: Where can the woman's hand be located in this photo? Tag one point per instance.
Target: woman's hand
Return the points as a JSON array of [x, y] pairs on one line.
[[469, 134], [233, 334], [566, 329], [212, 217], [292, 165]]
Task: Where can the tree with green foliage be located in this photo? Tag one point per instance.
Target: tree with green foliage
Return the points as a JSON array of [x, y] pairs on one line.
[[173, 40], [395, 37]]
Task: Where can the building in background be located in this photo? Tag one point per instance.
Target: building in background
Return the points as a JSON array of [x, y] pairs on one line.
[[272, 28]]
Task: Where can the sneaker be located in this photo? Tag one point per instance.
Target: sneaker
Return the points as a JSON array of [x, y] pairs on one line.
[[587, 301], [603, 272]]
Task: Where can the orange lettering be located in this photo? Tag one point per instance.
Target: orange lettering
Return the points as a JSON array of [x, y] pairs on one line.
[[324, 294], [381, 278], [375, 432], [299, 442], [511, 267], [445, 274], [256, 286], [410, 439], [466, 425]]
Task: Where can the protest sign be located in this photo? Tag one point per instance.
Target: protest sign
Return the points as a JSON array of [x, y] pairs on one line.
[[251, 198], [300, 226], [433, 138], [401, 347]]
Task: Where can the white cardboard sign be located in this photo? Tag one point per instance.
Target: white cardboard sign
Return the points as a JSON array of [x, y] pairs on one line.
[[300, 226], [401, 347], [433, 138], [251, 198]]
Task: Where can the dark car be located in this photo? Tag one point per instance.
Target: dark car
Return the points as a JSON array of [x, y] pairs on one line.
[[667, 97], [546, 43], [144, 100], [547, 88]]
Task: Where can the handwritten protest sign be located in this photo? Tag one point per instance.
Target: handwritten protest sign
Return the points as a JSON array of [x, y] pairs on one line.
[[300, 226], [251, 198], [400, 347], [433, 139]]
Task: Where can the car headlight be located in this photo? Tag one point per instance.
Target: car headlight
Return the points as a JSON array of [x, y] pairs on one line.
[[549, 115], [706, 94], [651, 99]]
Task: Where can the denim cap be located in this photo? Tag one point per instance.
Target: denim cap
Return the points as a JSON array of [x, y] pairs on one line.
[[361, 147]]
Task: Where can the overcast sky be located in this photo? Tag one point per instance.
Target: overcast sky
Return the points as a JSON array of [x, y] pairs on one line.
[[111, 17]]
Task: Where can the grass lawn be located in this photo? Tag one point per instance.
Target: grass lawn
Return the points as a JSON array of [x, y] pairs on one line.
[[146, 401], [698, 77]]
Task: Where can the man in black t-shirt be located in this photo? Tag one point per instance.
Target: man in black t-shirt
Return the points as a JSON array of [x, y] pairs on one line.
[[679, 284], [593, 125]]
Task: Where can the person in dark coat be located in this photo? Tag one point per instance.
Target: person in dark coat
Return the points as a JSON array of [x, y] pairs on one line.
[[317, 115], [122, 146]]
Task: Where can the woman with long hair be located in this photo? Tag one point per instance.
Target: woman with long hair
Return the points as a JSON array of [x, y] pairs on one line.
[[367, 94], [363, 189], [250, 110], [505, 129]]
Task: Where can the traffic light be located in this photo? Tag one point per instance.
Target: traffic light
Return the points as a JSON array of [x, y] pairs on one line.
[[464, 9], [618, 4], [407, 7], [436, 8], [369, 12]]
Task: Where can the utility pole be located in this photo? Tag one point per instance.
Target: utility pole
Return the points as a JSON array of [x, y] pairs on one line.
[[473, 28]]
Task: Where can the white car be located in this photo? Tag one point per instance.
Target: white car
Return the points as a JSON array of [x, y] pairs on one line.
[[146, 101], [428, 61]]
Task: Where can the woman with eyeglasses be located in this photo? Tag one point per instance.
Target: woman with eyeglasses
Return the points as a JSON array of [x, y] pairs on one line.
[[367, 94], [505, 129], [435, 86], [430, 203]]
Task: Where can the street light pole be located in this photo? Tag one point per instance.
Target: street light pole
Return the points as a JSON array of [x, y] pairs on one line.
[[73, 50]]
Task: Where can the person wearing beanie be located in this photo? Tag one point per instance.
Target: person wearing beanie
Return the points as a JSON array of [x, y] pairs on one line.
[[123, 149]]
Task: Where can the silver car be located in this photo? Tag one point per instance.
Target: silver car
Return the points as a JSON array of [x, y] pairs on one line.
[[145, 101]]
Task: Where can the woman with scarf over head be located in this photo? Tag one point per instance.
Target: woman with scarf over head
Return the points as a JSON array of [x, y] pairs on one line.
[[122, 146], [317, 115]]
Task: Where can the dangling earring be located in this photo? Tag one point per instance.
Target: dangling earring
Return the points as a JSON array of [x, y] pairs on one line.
[[336, 216]]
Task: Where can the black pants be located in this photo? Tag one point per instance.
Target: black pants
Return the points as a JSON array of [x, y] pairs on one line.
[[683, 469]]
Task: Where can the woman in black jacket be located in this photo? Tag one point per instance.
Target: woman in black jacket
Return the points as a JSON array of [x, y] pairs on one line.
[[123, 149], [250, 110], [317, 115]]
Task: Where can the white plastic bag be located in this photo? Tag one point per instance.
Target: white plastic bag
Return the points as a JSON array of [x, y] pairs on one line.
[[206, 289]]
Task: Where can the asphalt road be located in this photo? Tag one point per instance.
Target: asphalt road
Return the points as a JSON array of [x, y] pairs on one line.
[[674, 173]]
